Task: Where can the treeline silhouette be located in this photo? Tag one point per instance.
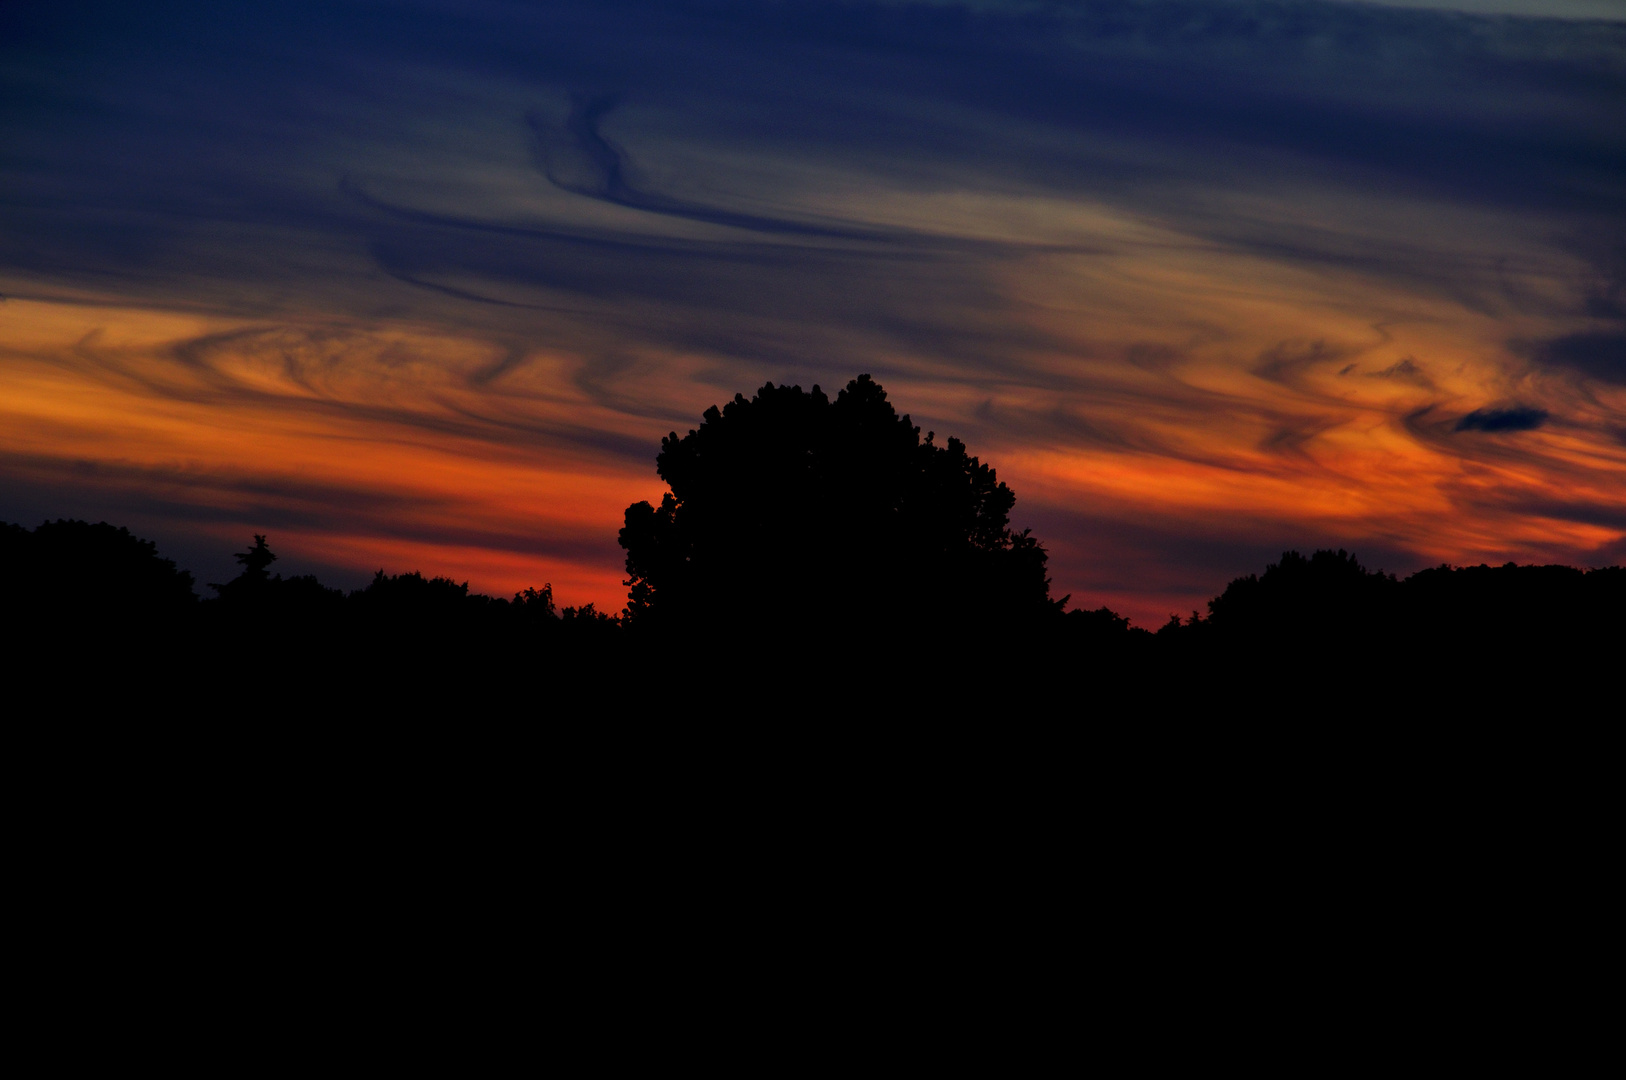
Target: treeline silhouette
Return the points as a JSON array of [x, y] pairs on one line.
[[809, 550], [93, 609], [94, 598], [72, 576]]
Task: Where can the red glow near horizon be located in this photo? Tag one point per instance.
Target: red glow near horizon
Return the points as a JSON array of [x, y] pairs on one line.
[[382, 447]]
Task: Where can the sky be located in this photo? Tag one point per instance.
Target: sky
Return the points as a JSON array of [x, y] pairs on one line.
[[421, 285]]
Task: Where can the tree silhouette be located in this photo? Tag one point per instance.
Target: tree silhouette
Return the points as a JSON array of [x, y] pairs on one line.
[[789, 511], [73, 571], [257, 559], [254, 582], [255, 593], [92, 613]]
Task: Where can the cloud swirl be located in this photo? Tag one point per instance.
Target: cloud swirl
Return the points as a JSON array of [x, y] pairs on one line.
[[1204, 279]]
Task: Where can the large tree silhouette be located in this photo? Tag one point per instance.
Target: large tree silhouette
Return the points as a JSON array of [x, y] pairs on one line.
[[790, 511]]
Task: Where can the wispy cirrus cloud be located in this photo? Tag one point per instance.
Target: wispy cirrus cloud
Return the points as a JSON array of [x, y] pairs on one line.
[[1136, 253]]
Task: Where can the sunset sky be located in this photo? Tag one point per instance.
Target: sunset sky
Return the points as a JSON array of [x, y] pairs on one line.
[[421, 285]]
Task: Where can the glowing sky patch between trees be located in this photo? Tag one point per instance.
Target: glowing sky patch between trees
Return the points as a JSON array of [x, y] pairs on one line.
[[422, 285]]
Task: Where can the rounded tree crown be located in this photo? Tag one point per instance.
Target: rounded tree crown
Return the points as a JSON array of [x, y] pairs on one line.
[[791, 507]]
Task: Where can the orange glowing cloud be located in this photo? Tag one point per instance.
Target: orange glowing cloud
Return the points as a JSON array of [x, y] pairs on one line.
[[425, 292]]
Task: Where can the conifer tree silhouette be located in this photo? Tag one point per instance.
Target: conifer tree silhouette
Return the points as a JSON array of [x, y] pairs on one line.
[[255, 579], [257, 559]]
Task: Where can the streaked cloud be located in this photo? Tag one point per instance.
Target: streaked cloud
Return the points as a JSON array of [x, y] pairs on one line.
[[1511, 418], [1203, 279]]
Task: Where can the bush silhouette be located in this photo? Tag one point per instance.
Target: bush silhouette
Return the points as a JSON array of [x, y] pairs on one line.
[[792, 512]]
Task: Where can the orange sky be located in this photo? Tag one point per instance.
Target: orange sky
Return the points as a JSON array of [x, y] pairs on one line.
[[1194, 390], [1200, 293]]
